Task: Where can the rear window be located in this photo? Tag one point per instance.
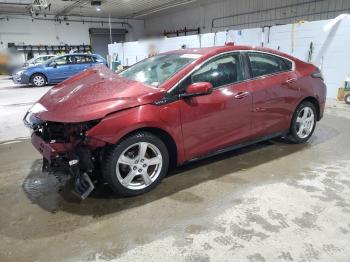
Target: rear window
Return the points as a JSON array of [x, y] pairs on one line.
[[266, 64]]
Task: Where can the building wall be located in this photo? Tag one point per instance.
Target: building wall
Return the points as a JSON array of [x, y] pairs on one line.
[[245, 14], [22, 30], [330, 40]]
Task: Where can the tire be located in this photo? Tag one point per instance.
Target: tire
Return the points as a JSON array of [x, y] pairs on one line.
[[303, 123], [347, 99], [129, 171], [38, 80]]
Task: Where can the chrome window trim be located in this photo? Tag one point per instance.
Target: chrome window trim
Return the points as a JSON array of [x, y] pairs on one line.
[[263, 52], [244, 80]]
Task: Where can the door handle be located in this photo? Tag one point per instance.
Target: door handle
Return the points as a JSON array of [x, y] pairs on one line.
[[241, 95], [291, 80]]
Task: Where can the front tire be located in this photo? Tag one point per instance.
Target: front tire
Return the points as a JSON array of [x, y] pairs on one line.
[[347, 99], [38, 80], [136, 164], [303, 123]]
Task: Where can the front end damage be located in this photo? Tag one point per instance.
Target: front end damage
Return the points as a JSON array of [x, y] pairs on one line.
[[66, 148], [63, 121]]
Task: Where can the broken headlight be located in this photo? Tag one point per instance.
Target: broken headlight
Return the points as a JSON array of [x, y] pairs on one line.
[[31, 121]]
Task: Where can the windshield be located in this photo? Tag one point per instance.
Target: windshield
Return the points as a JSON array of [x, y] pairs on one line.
[[156, 70]]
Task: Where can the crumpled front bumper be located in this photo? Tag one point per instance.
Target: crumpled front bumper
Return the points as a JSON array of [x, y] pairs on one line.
[[66, 148], [83, 185], [73, 157], [44, 148]]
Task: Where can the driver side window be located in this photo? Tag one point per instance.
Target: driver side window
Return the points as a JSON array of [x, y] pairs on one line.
[[221, 71]]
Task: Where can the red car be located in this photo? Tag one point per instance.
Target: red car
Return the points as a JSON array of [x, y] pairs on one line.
[[170, 109]]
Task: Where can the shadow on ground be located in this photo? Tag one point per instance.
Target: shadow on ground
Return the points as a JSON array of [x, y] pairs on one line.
[[51, 191]]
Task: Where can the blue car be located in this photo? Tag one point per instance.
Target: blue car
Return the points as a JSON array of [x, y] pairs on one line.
[[57, 69]]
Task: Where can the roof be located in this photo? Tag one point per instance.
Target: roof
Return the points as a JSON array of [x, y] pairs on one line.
[[78, 54], [209, 51], [206, 50], [82, 54]]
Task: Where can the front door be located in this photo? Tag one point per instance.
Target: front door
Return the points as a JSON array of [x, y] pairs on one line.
[[222, 118], [61, 68]]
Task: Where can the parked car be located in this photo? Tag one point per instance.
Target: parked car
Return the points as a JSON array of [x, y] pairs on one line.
[[172, 109], [56, 69], [38, 60]]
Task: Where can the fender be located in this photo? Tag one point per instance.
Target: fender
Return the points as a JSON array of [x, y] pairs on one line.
[[311, 91], [38, 72], [115, 126]]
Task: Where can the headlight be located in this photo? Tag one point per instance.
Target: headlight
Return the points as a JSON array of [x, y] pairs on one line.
[[20, 72], [31, 121], [37, 108]]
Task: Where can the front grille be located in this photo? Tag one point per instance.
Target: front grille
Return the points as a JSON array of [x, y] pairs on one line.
[[57, 132], [54, 132]]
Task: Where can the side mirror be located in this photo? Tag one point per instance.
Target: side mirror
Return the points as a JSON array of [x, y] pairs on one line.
[[53, 64], [198, 89]]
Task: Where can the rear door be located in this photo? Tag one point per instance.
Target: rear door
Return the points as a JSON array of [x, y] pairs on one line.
[[222, 118], [82, 62], [274, 92]]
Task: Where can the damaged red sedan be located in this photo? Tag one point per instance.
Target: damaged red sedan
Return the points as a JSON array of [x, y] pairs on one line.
[[170, 109]]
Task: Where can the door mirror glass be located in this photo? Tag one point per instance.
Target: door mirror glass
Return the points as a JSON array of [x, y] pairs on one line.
[[53, 64], [198, 89]]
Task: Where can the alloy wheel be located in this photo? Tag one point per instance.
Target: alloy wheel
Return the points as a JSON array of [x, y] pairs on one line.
[[347, 99], [139, 165], [305, 122], [38, 80]]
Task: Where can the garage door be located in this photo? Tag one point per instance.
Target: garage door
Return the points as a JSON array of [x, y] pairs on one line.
[[100, 39]]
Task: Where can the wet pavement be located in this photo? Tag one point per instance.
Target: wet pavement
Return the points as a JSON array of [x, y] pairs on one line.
[[15, 100], [273, 201]]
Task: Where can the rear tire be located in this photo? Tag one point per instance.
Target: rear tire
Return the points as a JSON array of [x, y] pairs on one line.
[[135, 165], [38, 80], [303, 123], [347, 99]]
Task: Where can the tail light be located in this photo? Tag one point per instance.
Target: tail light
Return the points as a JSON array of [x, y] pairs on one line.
[[317, 74]]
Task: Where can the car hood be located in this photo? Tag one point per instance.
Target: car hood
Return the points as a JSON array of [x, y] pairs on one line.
[[92, 95], [25, 68]]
